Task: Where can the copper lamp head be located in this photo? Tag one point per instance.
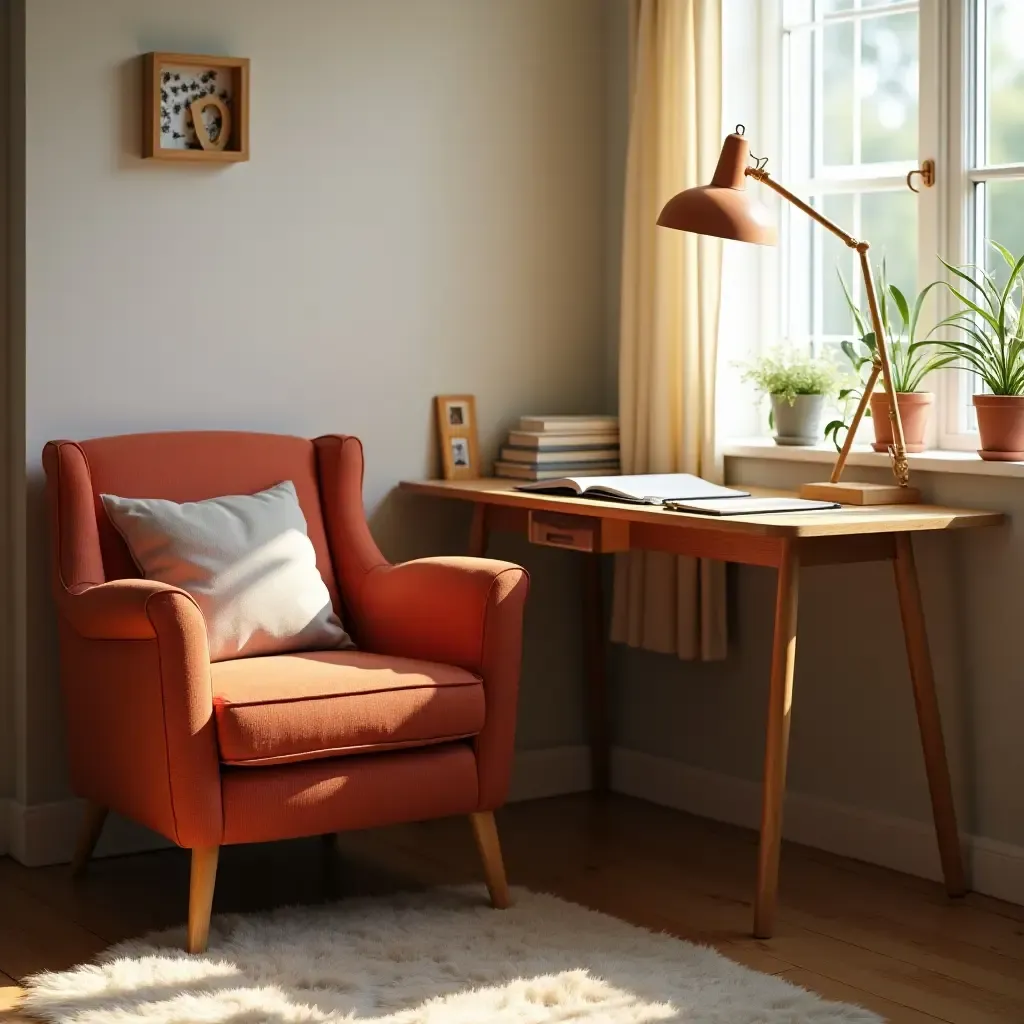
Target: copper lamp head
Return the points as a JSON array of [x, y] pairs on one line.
[[724, 208]]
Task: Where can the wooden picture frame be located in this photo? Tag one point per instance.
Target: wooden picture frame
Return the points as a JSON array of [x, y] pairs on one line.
[[458, 436], [178, 91]]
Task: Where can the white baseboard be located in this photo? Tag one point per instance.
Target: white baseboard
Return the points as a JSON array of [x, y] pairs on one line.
[[904, 844], [45, 833], [40, 834]]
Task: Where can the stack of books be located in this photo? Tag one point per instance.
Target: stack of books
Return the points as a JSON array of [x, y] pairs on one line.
[[548, 447]]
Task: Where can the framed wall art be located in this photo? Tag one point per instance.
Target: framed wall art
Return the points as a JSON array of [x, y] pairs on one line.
[[195, 107], [456, 428]]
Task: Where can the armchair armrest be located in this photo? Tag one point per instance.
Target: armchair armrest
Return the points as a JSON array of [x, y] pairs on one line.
[[118, 610], [457, 611], [440, 609], [135, 669]]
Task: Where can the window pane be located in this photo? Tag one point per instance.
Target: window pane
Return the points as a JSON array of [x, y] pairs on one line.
[[851, 95], [888, 86], [1004, 33], [837, 106], [836, 258], [889, 223], [1003, 205], [799, 233]]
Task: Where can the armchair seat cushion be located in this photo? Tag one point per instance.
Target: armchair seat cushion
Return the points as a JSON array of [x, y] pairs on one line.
[[302, 707]]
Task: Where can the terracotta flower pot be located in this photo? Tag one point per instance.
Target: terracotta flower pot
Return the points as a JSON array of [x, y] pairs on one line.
[[914, 408], [1001, 425]]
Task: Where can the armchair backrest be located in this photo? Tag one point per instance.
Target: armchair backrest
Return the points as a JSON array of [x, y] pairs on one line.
[[179, 466]]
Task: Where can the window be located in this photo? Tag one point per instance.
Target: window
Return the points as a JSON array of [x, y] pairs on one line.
[[988, 196], [869, 89], [850, 106]]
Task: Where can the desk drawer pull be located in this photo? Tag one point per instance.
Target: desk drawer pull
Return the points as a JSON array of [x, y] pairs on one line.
[[568, 539], [575, 533]]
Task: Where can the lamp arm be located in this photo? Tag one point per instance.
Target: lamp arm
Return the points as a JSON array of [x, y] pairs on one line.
[[898, 448], [761, 175]]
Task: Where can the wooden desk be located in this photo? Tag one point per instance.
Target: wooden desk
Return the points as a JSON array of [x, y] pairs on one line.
[[784, 542]]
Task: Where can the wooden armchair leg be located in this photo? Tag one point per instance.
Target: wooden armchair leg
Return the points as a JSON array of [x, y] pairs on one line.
[[88, 835], [486, 833], [200, 897]]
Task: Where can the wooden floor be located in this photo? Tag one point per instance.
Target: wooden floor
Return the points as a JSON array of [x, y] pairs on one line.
[[852, 932]]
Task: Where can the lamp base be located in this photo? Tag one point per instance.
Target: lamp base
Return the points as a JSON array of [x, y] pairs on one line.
[[862, 494]]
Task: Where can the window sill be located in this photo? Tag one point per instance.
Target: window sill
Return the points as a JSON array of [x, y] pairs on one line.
[[966, 463]]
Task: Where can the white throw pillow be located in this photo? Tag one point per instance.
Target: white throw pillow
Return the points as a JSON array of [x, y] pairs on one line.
[[247, 561]]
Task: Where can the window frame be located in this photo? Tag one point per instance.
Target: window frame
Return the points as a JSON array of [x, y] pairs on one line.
[[800, 155], [949, 218], [967, 160]]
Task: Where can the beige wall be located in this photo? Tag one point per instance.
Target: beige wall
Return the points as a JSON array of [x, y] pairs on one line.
[[424, 212]]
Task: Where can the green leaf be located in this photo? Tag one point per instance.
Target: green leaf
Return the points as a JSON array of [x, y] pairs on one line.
[[883, 306], [858, 317], [987, 317], [1007, 291], [966, 277], [1008, 256], [901, 303], [832, 428], [915, 316]]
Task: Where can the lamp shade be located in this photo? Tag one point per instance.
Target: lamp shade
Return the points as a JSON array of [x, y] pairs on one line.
[[724, 208]]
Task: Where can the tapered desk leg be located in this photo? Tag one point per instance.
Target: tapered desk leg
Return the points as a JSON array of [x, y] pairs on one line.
[[780, 701], [594, 656], [478, 532], [928, 718]]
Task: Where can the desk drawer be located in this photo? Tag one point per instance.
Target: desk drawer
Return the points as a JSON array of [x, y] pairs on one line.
[[578, 533]]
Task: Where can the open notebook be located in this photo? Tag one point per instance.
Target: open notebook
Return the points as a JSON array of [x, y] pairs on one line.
[[647, 489]]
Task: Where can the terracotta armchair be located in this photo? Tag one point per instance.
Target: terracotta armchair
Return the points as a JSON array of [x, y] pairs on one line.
[[418, 723]]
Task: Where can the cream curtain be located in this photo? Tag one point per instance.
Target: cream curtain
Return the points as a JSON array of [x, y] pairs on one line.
[[669, 319]]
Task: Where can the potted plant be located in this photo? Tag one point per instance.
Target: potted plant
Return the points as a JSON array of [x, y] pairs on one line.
[[992, 347], [910, 362], [797, 385]]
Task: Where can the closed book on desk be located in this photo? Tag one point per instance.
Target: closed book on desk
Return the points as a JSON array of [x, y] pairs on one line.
[[749, 506], [520, 471], [645, 489], [561, 456]]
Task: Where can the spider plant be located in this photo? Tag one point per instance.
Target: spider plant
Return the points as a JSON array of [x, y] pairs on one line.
[[992, 342], [911, 358]]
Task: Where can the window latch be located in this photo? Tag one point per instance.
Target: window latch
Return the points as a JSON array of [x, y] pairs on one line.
[[927, 173]]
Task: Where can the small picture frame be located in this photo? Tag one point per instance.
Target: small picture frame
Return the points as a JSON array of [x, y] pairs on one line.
[[457, 432], [195, 107]]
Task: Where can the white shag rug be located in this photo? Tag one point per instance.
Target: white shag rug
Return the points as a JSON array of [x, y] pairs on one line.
[[437, 957]]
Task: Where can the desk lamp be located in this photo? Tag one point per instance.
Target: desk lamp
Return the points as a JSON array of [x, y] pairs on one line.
[[725, 209]]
